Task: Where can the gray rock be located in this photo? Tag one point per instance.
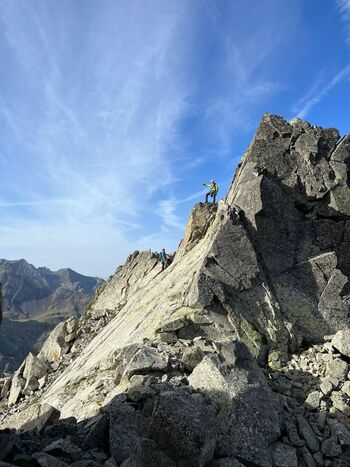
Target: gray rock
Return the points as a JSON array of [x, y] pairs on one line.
[[284, 455], [326, 386], [346, 388], [331, 448], [124, 432], [226, 462], [341, 341], [63, 447], [17, 386], [191, 357], [34, 367], [340, 432], [185, 430], [341, 402], [167, 337], [148, 453], [308, 434], [71, 325], [98, 435], [31, 385], [7, 440], [337, 370], [68, 338], [235, 382], [307, 458], [54, 346], [313, 400], [46, 460], [34, 417], [6, 387], [146, 360]]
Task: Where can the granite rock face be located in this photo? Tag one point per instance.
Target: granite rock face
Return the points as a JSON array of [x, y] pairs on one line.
[[236, 354]]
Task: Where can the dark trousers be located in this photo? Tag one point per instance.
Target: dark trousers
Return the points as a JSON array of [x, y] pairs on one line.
[[212, 194]]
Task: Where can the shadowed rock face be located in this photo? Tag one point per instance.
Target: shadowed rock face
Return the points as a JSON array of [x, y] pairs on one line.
[[285, 270]]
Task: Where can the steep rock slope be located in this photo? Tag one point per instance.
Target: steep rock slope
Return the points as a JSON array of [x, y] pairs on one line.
[[157, 371]]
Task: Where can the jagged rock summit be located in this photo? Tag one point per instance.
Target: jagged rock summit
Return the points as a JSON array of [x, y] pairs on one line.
[[163, 369]]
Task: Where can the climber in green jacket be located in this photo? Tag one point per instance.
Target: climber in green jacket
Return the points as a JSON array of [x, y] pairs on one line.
[[213, 187]]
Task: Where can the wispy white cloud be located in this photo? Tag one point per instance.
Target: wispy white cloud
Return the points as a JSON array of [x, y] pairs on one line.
[[318, 91], [344, 8], [99, 134]]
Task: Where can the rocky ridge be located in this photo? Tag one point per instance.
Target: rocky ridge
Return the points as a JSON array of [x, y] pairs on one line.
[[163, 367]]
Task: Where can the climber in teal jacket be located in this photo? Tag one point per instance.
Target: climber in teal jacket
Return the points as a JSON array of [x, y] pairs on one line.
[[213, 187]]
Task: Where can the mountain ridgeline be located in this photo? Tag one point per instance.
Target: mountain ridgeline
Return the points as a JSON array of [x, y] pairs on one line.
[[34, 300], [236, 355]]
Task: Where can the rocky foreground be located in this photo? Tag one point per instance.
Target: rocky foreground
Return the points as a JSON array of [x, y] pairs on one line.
[[238, 354]]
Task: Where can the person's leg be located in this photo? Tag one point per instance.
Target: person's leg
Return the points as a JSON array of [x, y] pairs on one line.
[[206, 197], [214, 198]]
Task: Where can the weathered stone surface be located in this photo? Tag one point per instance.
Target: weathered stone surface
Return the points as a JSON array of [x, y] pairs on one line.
[[31, 385], [62, 447], [55, 345], [339, 431], [146, 360], [6, 387], [98, 436], [313, 400], [308, 434], [7, 440], [148, 453], [35, 417], [341, 341], [330, 447], [239, 388], [341, 402], [226, 462], [34, 367], [337, 370], [71, 325], [17, 386], [46, 460], [184, 428], [124, 437], [284, 455]]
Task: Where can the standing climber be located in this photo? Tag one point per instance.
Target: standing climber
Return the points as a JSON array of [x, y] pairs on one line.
[[213, 187], [164, 258]]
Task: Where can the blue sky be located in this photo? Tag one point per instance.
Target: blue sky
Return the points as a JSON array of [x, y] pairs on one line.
[[114, 112]]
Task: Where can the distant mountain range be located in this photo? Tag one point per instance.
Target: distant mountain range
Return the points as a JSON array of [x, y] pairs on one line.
[[35, 300]]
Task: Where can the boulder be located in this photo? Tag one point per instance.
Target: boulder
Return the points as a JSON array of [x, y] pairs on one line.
[[7, 441], [308, 434], [124, 431], [17, 386], [63, 447], [284, 455], [341, 341], [54, 346], [146, 360], [31, 385], [6, 387], [72, 325], [46, 460], [34, 367], [34, 417], [185, 428], [236, 383], [146, 454]]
